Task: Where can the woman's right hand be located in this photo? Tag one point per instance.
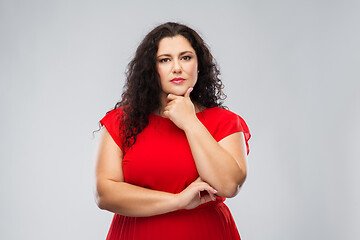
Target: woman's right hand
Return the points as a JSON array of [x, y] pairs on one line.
[[190, 197]]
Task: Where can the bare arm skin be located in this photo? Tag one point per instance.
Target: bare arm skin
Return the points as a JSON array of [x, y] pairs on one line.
[[115, 195], [221, 164]]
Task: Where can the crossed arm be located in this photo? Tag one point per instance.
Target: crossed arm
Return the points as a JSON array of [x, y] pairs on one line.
[[221, 166], [115, 195]]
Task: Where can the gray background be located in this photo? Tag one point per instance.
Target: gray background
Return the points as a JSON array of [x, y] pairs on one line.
[[291, 70]]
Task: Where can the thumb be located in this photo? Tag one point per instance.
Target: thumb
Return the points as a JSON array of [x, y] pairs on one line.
[[187, 94]]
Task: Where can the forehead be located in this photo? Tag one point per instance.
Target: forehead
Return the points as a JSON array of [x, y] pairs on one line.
[[174, 45]]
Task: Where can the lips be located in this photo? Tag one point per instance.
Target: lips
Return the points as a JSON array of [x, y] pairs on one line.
[[177, 80]]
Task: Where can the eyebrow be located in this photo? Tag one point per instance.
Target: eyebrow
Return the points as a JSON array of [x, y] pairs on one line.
[[169, 55]]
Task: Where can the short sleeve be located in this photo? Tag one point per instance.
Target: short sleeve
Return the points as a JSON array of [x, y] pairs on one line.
[[111, 121], [232, 124]]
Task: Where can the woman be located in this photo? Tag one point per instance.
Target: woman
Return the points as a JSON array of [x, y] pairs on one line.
[[170, 153]]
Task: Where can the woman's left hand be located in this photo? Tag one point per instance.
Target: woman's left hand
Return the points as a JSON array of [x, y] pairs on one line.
[[180, 110]]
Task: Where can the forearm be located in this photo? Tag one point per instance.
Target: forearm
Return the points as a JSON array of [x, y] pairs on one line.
[[215, 165], [131, 200]]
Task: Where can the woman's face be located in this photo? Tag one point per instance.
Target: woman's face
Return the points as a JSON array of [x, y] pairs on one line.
[[177, 65]]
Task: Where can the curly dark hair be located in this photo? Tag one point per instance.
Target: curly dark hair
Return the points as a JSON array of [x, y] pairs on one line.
[[142, 89]]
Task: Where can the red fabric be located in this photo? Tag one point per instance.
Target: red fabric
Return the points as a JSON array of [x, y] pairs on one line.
[[161, 159], [112, 123]]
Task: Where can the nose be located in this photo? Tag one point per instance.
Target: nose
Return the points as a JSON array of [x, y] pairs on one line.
[[176, 66]]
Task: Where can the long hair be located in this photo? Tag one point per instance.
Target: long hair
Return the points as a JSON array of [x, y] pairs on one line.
[[142, 89]]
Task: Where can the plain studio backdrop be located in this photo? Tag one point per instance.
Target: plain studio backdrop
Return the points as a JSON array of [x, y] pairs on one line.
[[290, 69]]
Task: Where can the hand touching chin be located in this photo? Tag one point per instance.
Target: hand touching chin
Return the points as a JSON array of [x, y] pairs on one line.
[[180, 109]]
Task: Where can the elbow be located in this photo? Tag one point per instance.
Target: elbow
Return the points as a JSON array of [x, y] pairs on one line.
[[100, 201], [232, 189], [105, 203], [105, 198], [100, 198]]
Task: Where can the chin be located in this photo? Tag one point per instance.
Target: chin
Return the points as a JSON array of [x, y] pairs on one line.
[[178, 92]]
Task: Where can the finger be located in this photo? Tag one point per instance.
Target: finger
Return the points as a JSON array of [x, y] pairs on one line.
[[166, 114], [170, 103], [205, 199], [187, 94], [172, 96], [203, 186], [212, 196], [167, 108]]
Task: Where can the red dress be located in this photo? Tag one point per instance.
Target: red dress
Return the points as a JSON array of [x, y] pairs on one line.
[[155, 162]]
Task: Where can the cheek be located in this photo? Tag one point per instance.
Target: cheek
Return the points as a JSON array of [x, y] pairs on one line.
[[161, 72], [191, 69]]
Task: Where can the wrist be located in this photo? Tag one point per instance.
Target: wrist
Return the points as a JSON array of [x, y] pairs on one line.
[[175, 201], [192, 125]]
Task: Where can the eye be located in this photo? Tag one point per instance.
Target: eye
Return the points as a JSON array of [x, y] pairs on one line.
[[164, 60], [186, 58]]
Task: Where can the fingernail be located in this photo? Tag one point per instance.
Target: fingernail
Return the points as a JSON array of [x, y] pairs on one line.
[[215, 191], [191, 89]]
